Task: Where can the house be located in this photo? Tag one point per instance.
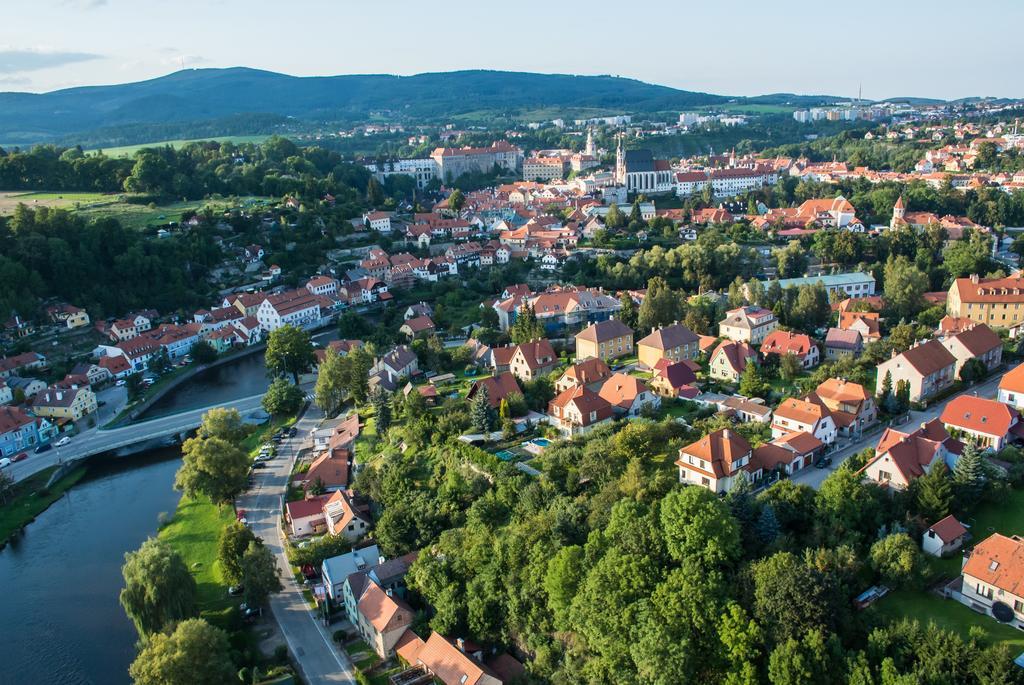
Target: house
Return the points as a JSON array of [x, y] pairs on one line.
[[796, 344], [344, 518], [944, 537], [628, 395], [418, 309], [865, 323], [742, 409], [928, 367], [501, 357], [787, 454], [418, 326], [853, 285], [336, 570], [67, 403], [123, 329], [533, 359], [498, 388], [674, 379], [978, 342], [20, 430], [322, 285], [1011, 387], [6, 394], [453, 663], [986, 423], [590, 372], [902, 457], [992, 301], [675, 342], [378, 221], [29, 387], [576, 411], [716, 462], [117, 366], [401, 362], [382, 619], [26, 361], [747, 324], [993, 579], [851, 405], [71, 316], [306, 516], [605, 340], [729, 359], [796, 415], [840, 343]]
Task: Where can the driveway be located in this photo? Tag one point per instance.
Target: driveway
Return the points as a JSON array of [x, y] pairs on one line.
[[308, 640], [815, 476]]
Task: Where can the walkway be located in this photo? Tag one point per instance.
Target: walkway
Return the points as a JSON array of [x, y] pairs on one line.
[[309, 642]]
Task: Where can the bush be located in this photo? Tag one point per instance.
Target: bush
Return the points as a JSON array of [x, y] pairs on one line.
[[339, 636], [281, 654]]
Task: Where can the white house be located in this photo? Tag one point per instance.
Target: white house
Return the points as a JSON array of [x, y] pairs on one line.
[[944, 537]]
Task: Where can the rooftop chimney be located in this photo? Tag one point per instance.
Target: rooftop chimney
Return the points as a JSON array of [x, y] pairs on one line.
[[461, 644]]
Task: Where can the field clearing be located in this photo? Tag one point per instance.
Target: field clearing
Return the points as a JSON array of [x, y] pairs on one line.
[[11, 199], [130, 150]]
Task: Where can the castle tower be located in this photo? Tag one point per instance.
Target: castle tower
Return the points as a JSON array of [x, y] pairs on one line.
[[591, 148], [620, 162]]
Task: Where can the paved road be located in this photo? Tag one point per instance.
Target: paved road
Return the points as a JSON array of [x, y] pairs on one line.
[[95, 440], [308, 640], [814, 477]]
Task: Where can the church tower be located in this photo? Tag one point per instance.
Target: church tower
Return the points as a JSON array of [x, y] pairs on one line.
[[620, 162], [898, 211]]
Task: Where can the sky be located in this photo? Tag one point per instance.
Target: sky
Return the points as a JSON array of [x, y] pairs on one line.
[[925, 48]]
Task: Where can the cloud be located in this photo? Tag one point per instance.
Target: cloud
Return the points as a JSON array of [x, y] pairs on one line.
[[18, 61], [187, 60], [84, 4], [14, 81]]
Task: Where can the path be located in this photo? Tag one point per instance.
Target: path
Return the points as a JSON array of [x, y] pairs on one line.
[[309, 642]]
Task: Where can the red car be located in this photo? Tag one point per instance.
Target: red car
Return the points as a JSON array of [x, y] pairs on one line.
[[240, 514], [20, 456]]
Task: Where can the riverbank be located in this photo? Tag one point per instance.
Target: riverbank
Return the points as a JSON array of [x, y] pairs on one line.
[[31, 498]]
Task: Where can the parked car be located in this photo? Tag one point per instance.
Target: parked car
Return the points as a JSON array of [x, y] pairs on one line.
[[4, 463], [45, 447], [824, 462], [120, 383], [292, 432], [235, 590], [20, 456], [259, 465], [63, 441]]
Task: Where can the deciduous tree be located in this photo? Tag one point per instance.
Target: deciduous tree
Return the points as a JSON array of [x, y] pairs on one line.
[[159, 589], [196, 653], [289, 352]]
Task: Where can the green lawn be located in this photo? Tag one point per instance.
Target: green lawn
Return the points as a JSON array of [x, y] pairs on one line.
[[130, 150], [945, 613], [29, 502], [195, 533]]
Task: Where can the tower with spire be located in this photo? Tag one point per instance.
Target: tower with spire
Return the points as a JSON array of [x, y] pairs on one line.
[[620, 161], [591, 148], [898, 212]]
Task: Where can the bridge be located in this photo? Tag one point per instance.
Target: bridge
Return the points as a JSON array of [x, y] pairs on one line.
[[97, 440]]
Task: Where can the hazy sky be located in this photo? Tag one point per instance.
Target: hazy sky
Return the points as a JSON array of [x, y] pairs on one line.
[[933, 48]]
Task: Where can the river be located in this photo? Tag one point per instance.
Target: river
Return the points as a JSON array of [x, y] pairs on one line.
[[62, 619]]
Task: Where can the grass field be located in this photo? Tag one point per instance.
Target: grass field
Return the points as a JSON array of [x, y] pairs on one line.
[[11, 199], [194, 533], [130, 150], [28, 501]]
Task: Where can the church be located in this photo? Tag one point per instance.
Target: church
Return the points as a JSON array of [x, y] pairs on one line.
[[641, 173]]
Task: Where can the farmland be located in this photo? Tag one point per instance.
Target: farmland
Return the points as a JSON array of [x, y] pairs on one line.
[[130, 150]]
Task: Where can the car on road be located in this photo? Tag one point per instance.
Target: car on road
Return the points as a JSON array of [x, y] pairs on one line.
[[235, 590], [259, 465], [4, 463], [823, 463], [120, 383], [20, 456], [292, 432], [45, 447], [63, 441]]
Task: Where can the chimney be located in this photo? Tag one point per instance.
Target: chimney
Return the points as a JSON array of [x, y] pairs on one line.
[[461, 644], [974, 279], [391, 593]]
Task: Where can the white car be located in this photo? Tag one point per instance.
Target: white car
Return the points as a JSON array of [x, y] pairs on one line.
[[63, 441], [120, 383], [4, 463]]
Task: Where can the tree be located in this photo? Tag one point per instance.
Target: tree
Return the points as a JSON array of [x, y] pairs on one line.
[[456, 201], [767, 528], [628, 312], [526, 327], [697, 526], [902, 395], [223, 423], [196, 653], [374, 193], [481, 412], [791, 260], [969, 475], [203, 352], [897, 559], [933, 493], [812, 660], [289, 352], [790, 367], [260, 574], [381, 409], [886, 397], [158, 588], [614, 219], [660, 307], [355, 375], [212, 467], [282, 398], [234, 541], [751, 382], [6, 486], [329, 392], [905, 286]]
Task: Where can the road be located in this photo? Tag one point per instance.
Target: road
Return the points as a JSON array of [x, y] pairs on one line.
[[309, 642], [814, 477], [96, 440]]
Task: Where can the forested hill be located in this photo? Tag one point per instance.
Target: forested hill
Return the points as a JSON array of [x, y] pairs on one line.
[[204, 94]]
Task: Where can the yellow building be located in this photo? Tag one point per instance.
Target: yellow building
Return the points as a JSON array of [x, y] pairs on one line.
[[64, 403], [998, 302], [675, 343], [604, 340]]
